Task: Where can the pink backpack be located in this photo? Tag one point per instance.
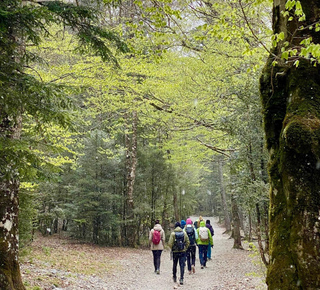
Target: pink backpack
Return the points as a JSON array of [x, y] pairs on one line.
[[156, 237]]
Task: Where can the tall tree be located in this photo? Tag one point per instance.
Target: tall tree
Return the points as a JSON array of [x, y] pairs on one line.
[[131, 166], [24, 97], [291, 97]]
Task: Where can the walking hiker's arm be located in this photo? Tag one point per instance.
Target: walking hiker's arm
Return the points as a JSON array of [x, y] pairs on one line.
[[150, 236], [210, 239]]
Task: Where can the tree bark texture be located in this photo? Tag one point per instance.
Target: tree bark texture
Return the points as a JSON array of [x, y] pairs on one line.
[[10, 277], [131, 165], [175, 205], [291, 103], [236, 224], [223, 198]]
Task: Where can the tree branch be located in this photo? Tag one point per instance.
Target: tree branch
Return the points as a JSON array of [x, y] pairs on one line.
[[218, 150]]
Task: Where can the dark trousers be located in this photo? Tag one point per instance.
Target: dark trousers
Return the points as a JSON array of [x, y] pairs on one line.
[[209, 252], [181, 257], [156, 259], [191, 256], [203, 254]]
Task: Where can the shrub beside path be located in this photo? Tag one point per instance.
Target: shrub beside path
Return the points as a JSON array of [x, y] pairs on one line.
[[132, 269]]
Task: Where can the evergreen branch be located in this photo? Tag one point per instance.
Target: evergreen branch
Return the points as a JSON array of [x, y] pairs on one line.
[[91, 37]]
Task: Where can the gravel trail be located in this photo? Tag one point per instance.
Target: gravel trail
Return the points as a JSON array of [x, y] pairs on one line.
[[229, 269]]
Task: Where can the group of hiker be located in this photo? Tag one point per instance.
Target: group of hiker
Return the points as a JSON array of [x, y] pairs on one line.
[[183, 241]]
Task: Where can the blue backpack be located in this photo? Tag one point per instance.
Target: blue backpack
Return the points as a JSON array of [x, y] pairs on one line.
[[179, 241], [191, 235]]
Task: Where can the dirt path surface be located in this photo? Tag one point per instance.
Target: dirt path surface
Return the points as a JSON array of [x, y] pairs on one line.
[[132, 269]]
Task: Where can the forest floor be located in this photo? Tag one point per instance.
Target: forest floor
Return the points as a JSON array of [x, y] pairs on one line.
[[54, 263]]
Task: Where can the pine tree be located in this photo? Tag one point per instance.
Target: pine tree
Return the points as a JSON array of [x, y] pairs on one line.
[[24, 96]]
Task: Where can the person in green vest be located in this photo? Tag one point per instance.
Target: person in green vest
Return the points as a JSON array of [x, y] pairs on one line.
[[204, 238]]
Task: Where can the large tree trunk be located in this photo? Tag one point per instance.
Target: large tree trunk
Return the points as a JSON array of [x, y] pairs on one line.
[[291, 102], [10, 277]]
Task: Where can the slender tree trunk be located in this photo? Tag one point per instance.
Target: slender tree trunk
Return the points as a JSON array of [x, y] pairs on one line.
[[266, 228], [175, 205], [131, 164], [291, 98], [153, 195], [261, 248], [165, 214], [236, 224], [250, 227], [223, 198]]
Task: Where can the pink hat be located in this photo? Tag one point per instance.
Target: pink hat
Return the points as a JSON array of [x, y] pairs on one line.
[[189, 221]]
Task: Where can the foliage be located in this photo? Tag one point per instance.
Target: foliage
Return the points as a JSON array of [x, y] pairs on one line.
[[191, 76], [25, 96]]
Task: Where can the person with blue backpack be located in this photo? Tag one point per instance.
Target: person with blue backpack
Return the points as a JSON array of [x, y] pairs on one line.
[[178, 243], [191, 251]]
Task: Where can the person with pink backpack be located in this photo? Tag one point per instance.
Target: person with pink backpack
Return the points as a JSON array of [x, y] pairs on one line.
[[157, 241]]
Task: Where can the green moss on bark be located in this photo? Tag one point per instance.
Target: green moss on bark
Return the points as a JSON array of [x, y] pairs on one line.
[[291, 118]]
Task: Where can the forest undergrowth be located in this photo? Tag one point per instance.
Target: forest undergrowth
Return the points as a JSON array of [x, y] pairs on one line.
[[60, 263]]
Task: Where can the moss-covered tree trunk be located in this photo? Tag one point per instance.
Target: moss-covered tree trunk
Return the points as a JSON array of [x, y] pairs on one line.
[[291, 102]]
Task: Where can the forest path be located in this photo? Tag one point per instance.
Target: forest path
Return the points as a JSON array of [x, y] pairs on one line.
[[133, 270]]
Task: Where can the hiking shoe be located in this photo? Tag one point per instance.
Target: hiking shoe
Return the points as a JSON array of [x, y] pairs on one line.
[[193, 269], [181, 281], [158, 272], [174, 279]]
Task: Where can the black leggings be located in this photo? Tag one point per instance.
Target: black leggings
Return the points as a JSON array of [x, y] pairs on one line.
[[191, 256], [156, 259]]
